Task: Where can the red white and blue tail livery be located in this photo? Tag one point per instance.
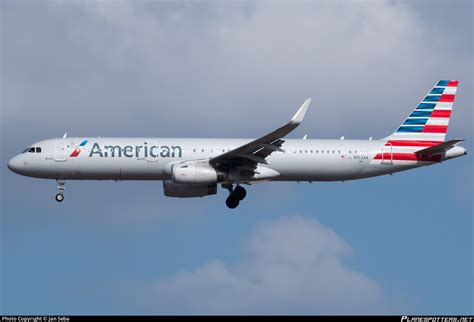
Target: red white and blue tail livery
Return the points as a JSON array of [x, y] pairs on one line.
[[425, 127], [195, 167]]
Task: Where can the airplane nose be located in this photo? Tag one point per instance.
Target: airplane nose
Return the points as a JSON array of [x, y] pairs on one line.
[[14, 164]]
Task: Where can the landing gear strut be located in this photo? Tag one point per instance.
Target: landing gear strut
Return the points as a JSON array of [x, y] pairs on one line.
[[60, 196], [236, 195]]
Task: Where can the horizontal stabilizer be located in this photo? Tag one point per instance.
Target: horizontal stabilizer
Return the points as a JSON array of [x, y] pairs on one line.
[[440, 148]]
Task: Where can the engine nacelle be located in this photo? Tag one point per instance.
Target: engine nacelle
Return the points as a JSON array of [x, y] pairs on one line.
[[193, 173], [187, 190]]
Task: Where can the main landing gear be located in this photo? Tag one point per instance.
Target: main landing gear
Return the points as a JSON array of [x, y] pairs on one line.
[[236, 195], [60, 196]]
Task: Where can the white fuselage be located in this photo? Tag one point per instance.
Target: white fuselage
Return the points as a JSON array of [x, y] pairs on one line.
[[193, 167], [149, 158]]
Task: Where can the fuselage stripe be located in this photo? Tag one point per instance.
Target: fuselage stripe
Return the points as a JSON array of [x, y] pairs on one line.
[[406, 157], [412, 143]]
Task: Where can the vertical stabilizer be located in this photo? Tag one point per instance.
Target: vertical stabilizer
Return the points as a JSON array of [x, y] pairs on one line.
[[429, 120]]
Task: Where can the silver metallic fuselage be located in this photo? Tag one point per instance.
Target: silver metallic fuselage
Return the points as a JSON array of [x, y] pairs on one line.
[[302, 160]]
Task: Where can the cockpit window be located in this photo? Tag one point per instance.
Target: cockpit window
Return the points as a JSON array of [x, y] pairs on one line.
[[32, 150]]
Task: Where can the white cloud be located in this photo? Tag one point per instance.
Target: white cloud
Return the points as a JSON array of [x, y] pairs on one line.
[[155, 63], [293, 265]]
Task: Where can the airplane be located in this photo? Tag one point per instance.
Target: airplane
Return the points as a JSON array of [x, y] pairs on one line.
[[195, 167]]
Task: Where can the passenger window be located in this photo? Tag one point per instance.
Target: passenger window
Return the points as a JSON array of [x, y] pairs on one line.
[[350, 152], [339, 151], [322, 151], [31, 150], [38, 150], [333, 151], [328, 151], [202, 150]]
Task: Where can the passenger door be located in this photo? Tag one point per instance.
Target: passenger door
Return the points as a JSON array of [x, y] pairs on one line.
[[387, 155], [60, 151]]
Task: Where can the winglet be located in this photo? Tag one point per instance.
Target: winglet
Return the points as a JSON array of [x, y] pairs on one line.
[[301, 112]]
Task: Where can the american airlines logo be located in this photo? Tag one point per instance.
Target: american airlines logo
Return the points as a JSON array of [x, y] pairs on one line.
[[78, 150], [135, 151]]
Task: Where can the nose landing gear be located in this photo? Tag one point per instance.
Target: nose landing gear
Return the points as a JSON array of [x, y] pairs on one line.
[[235, 197], [61, 186], [59, 197]]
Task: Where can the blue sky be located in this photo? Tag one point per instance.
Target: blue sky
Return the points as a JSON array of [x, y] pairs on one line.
[[399, 244]]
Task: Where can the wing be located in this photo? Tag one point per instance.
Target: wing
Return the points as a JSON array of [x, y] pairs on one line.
[[440, 148], [246, 157]]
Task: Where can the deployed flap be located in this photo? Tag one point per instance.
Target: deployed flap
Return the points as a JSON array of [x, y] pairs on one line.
[[257, 150], [440, 148]]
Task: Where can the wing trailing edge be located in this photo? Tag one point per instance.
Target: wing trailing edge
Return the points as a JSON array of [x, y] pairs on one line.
[[257, 150]]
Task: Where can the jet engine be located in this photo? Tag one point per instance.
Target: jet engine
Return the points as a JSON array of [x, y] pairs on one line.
[[187, 190], [193, 172]]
